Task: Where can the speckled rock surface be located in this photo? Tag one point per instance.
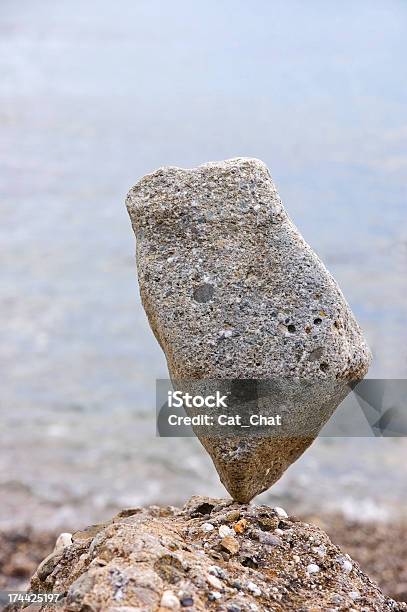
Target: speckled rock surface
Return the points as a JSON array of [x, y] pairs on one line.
[[232, 291], [211, 555]]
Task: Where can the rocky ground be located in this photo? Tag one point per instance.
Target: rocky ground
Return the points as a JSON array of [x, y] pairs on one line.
[[214, 554], [379, 548]]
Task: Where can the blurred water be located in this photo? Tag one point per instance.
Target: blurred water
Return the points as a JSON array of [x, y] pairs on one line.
[[94, 95]]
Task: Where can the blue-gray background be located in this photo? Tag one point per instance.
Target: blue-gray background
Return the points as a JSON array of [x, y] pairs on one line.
[[95, 94]]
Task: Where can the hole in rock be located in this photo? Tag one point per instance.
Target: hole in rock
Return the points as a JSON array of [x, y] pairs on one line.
[[250, 562], [204, 508], [203, 293]]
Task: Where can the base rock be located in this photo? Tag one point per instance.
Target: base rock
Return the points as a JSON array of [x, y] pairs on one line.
[[164, 558]]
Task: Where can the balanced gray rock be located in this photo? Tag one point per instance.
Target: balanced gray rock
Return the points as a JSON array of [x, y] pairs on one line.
[[234, 293]]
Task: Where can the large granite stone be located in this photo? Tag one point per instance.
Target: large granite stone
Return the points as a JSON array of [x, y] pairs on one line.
[[232, 293]]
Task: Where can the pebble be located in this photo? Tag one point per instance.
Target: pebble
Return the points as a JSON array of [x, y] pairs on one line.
[[345, 564], [224, 531], [63, 541], [47, 566], [233, 515], [268, 523], [230, 544], [319, 550], [296, 559], [187, 601], [354, 595], [280, 512], [170, 601], [313, 568], [240, 526], [253, 588], [226, 333], [215, 570], [214, 582], [214, 595], [269, 539], [207, 527]]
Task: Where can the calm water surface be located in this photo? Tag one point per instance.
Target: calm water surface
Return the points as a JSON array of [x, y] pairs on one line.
[[94, 95]]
